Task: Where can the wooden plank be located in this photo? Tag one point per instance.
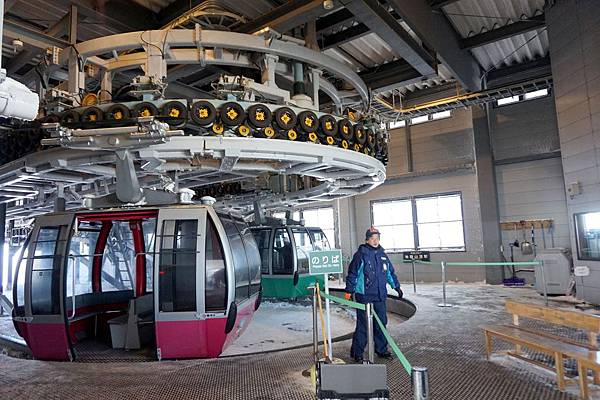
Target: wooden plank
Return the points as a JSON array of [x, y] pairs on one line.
[[583, 384], [572, 319], [560, 372], [526, 224]]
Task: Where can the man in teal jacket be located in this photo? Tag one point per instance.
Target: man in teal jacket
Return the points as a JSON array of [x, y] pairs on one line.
[[368, 274]]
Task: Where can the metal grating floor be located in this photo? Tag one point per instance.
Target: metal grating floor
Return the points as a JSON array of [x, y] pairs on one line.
[[448, 341]]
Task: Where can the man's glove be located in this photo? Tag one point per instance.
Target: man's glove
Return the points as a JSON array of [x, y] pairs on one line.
[[400, 293], [348, 296]]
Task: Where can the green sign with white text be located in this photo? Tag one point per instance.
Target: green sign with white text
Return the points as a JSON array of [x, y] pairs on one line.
[[325, 262]]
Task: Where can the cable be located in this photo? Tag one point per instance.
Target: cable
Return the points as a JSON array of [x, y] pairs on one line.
[[162, 53]]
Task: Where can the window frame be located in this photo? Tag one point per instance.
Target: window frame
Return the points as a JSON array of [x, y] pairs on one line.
[[413, 200], [576, 226]]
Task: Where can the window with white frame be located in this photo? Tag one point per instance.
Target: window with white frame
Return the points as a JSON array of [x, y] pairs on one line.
[[438, 221], [394, 219], [321, 217]]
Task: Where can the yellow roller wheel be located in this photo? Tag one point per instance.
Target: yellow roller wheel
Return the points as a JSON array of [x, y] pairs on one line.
[[345, 144], [217, 128], [118, 115], [269, 132], [173, 112], [243, 130], [356, 147], [292, 135], [330, 140], [313, 137]]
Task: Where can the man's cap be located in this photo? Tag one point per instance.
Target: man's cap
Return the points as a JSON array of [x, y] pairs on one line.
[[371, 231]]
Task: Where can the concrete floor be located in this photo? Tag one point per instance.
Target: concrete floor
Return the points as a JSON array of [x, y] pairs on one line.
[[447, 341]]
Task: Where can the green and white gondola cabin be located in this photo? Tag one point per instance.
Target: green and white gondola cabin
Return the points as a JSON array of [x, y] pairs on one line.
[[284, 251]]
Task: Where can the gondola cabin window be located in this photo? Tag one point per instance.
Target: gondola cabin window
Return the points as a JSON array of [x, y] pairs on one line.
[[177, 270], [303, 247], [45, 277], [283, 255], [216, 277]]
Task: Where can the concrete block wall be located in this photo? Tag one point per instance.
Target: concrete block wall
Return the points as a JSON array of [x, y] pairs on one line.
[[574, 38]]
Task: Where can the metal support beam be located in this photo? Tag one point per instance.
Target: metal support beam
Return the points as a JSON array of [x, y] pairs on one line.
[[31, 36], [519, 73], [75, 83], [437, 4], [390, 76], [285, 17], [334, 20], [344, 36], [389, 29], [2, 240], [434, 29], [494, 35]]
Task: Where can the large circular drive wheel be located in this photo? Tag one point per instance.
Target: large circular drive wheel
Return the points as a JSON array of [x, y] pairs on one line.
[[117, 112], [174, 113], [328, 125], [203, 113], [345, 129], [308, 121], [144, 109], [92, 114], [232, 114], [285, 118], [259, 116], [360, 134], [70, 116]]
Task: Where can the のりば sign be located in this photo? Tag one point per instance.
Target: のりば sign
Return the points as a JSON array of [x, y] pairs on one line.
[[325, 262]]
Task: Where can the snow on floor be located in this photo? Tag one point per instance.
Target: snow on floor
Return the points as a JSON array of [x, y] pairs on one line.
[[280, 325]]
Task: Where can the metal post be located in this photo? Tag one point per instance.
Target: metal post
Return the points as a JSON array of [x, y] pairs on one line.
[[544, 288], [2, 243], [315, 327], [370, 344], [414, 276], [328, 321], [420, 383], [11, 253], [444, 304]]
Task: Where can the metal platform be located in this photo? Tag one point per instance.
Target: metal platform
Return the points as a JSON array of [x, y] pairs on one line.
[[185, 162]]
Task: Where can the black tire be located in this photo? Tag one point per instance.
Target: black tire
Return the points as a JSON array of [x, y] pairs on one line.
[[144, 109], [285, 118], [69, 117], [308, 121], [327, 125], [92, 114], [345, 129], [117, 112], [51, 119], [203, 113], [232, 114], [360, 134], [259, 116], [371, 138], [174, 113]]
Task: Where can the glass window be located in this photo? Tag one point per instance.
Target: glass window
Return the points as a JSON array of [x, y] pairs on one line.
[[80, 259], [323, 218], [536, 93], [281, 215], [149, 230], [303, 248], [118, 260], [397, 124], [253, 257], [419, 120], [587, 226], [19, 297], [394, 219], [319, 239], [440, 223], [283, 254], [240, 262], [216, 274], [262, 236], [45, 274], [508, 100], [177, 269], [441, 114]]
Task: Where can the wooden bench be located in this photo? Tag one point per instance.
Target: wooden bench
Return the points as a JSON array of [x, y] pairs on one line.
[[586, 355]]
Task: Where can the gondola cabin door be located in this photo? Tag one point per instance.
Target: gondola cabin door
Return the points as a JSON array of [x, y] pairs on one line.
[[179, 282], [41, 318]]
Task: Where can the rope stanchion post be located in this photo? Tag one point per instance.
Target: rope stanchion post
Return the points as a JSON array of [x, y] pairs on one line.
[[315, 326], [444, 304], [544, 288], [414, 276], [420, 383], [370, 344]]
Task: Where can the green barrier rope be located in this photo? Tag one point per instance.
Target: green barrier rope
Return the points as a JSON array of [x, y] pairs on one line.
[[483, 264], [387, 335]]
